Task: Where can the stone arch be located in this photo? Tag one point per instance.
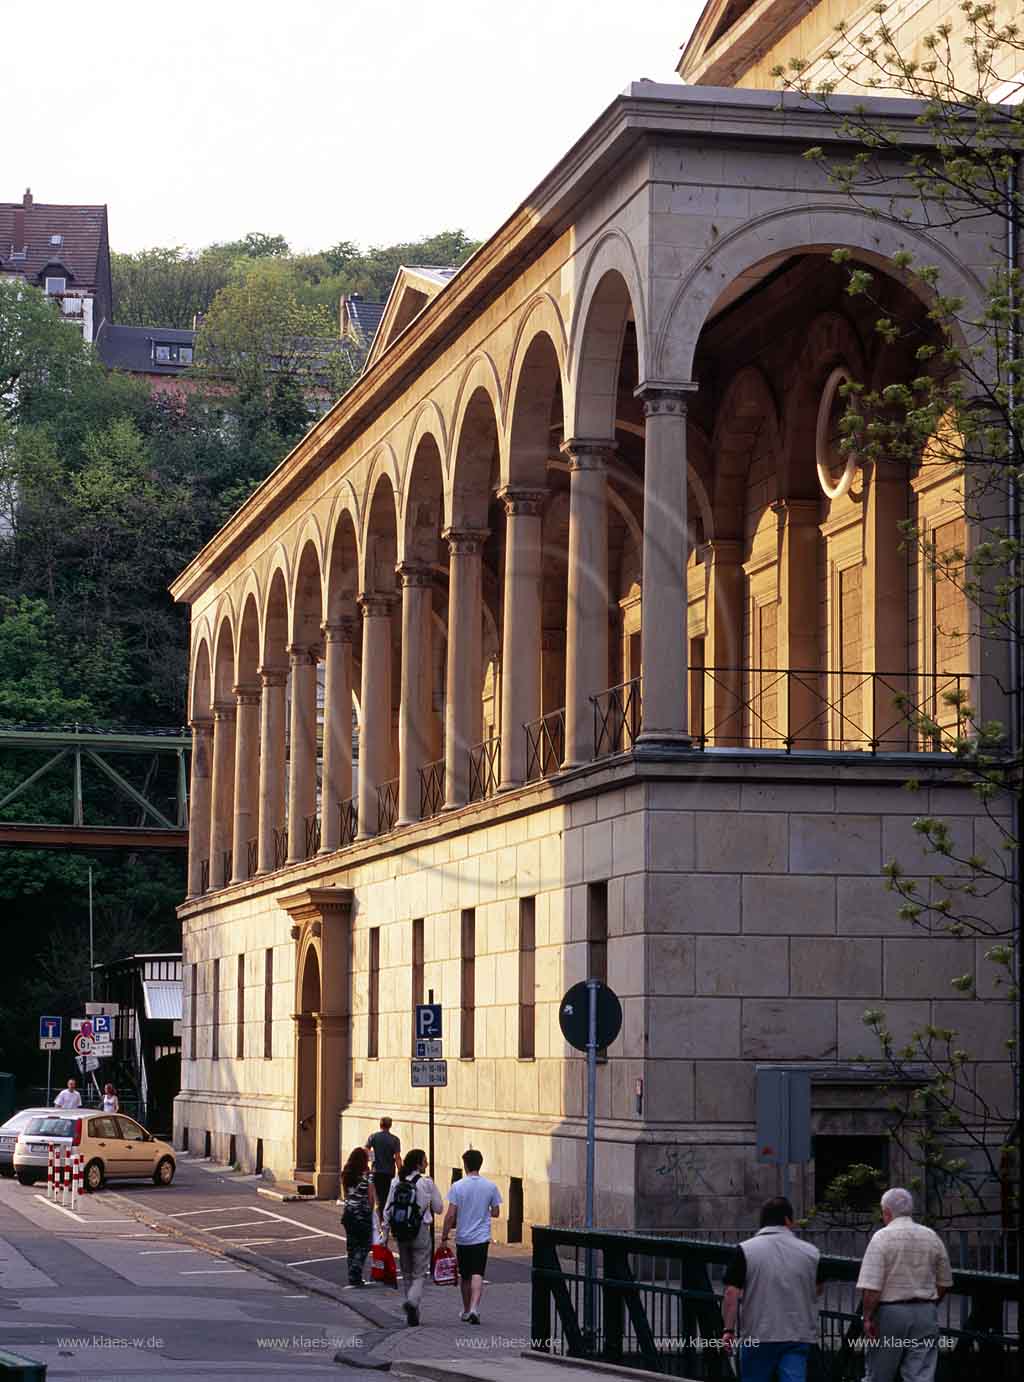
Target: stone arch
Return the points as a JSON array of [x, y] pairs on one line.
[[476, 459], [342, 565], [536, 403], [831, 341], [383, 471], [308, 1003], [428, 422], [747, 408], [380, 535], [224, 658], [423, 510], [344, 518], [307, 593], [248, 649], [275, 616], [610, 291], [815, 228], [201, 680]]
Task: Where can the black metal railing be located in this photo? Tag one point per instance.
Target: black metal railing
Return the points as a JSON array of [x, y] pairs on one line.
[[484, 769], [280, 847], [348, 812], [227, 863], [431, 789], [645, 1301], [204, 875], [800, 708], [617, 718], [312, 836], [387, 806], [545, 745], [252, 858]]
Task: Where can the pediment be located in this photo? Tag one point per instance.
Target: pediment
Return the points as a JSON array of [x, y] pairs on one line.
[[415, 286], [730, 35]]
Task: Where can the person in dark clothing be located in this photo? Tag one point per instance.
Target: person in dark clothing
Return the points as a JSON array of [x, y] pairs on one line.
[[357, 1216], [387, 1159]]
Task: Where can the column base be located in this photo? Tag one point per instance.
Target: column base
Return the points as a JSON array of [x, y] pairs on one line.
[[511, 786], [657, 743], [326, 849]]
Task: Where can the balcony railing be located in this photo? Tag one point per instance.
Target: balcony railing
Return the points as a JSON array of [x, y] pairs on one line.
[[431, 789], [348, 811], [617, 718], [252, 856], [280, 848], [312, 835], [545, 745], [227, 863], [484, 769], [204, 875], [387, 806]]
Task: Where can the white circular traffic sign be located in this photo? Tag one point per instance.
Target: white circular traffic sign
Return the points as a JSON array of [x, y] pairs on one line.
[[84, 1044]]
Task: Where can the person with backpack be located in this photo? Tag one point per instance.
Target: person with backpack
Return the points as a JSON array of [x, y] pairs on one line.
[[409, 1214]]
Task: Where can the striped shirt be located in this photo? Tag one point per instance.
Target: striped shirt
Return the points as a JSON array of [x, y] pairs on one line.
[[905, 1261]]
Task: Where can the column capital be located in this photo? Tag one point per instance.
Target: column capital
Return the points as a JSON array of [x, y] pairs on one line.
[[201, 724], [223, 710], [273, 676], [246, 694], [415, 574], [797, 510], [341, 630], [528, 502], [301, 654], [589, 453], [377, 604], [465, 541], [662, 397]]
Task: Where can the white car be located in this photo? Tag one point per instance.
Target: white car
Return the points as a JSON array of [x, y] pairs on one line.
[[110, 1145], [9, 1136]]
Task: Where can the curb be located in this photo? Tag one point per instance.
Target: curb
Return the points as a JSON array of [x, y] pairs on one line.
[[277, 1271]]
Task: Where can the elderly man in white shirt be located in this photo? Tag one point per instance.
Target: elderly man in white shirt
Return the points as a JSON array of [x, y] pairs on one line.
[[68, 1098], [904, 1275]]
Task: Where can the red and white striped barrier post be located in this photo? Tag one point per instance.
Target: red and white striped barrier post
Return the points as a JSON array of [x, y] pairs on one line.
[[76, 1178], [65, 1176], [49, 1172]]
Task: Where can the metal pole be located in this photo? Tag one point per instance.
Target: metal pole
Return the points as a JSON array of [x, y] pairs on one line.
[[49, 1078], [92, 977], [588, 1286], [430, 1113]]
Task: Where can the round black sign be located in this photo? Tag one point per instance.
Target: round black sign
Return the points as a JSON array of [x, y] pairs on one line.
[[574, 1016]]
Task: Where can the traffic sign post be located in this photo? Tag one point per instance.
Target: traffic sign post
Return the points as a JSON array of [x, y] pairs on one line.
[[590, 1017], [50, 1032], [428, 1068]]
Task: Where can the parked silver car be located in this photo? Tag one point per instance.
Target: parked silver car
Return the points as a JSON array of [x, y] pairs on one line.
[[17, 1123]]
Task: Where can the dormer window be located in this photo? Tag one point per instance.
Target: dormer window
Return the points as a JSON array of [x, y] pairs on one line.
[[171, 353], [56, 286]]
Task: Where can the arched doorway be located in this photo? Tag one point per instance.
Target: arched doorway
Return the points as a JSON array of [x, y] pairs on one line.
[[306, 1072]]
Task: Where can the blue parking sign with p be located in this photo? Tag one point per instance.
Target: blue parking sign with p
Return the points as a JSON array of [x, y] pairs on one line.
[[428, 1021], [101, 1025], [50, 1028]]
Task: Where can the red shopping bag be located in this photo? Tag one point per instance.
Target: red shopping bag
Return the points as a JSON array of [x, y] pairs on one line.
[[382, 1266], [446, 1272]]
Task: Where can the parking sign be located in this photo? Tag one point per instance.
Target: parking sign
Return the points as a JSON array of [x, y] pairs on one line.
[[428, 1021], [101, 1027]]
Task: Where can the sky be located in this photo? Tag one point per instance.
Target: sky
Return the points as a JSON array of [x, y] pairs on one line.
[[377, 121]]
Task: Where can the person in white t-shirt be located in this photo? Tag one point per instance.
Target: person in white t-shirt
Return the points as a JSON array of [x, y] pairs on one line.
[[68, 1098], [110, 1100], [473, 1202]]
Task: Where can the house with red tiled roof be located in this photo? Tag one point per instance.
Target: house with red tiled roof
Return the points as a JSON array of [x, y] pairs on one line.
[[64, 250]]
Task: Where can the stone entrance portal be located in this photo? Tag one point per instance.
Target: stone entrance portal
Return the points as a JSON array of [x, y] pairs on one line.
[[321, 930]]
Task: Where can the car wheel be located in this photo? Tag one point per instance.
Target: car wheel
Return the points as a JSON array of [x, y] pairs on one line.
[[164, 1173], [94, 1177], [7, 1172], [26, 1177]]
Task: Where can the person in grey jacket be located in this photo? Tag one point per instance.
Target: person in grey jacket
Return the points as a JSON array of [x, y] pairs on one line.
[[771, 1287], [414, 1253]]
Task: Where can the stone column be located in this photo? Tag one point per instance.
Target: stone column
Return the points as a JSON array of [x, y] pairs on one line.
[[331, 1053], [199, 805], [886, 599], [413, 724], [222, 792], [464, 652], [337, 780], [375, 703], [586, 618], [724, 651], [666, 547], [302, 750], [803, 717], [247, 768], [272, 703], [521, 632]]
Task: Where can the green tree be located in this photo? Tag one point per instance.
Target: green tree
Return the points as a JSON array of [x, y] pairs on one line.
[[166, 286]]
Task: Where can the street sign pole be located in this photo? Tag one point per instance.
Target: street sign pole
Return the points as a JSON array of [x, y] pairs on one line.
[[49, 1078], [430, 1113], [588, 1295]]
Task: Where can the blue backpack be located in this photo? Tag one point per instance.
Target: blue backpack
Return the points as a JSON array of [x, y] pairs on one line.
[[406, 1215]]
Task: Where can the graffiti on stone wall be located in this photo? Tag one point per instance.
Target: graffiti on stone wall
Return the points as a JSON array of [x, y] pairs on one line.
[[684, 1169]]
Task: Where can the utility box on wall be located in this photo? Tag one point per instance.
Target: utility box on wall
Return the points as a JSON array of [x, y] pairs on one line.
[[783, 1114]]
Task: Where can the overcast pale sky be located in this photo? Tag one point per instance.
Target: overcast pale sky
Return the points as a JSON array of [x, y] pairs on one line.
[[368, 120]]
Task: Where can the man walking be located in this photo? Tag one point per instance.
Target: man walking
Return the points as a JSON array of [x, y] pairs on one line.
[[772, 1285], [473, 1202], [904, 1275], [386, 1151], [68, 1098]]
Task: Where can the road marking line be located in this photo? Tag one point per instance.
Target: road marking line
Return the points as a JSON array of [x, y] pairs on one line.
[[79, 1218], [165, 1252], [184, 1213], [307, 1260], [296, 1297], [216, 1271], [284, 1219], [248, 1242], [246, 1223]]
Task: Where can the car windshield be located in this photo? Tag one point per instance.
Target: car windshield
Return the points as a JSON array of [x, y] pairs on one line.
[[51, 1127]]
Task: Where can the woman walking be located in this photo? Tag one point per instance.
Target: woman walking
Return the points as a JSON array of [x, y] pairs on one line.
[[409, 1214], [110, 1100], [357, 1217]]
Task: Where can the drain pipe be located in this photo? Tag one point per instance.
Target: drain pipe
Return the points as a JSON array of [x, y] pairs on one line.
[[1016, 608]]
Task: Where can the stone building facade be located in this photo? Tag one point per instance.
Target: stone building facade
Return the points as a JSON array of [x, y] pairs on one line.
[[624, 635]]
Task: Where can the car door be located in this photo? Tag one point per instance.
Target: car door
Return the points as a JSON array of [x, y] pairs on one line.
[[135, 1148], [101, 1141]]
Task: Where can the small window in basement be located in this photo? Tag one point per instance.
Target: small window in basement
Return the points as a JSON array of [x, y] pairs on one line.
[[850, 1173]]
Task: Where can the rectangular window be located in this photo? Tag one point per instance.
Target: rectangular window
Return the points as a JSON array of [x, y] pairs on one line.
[[373, 1021], [193, 1001], [850, 720], [949, 611], [56, 285], [527, 976], [215, 1026], [417, 971], [268, 1003], [240, 1010], [836, 1157], [597, 939], [185, 355], [467, 1036]]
